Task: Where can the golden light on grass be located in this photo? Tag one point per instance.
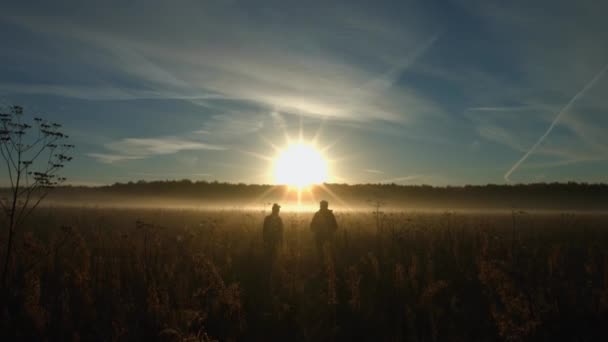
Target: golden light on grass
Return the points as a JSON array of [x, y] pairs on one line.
[[300, 166]]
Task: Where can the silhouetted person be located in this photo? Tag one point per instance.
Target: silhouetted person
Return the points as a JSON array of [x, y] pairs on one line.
[[323, 227], [273, 233]]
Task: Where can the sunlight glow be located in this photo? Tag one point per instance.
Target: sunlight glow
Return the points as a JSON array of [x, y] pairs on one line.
[[300, 166]]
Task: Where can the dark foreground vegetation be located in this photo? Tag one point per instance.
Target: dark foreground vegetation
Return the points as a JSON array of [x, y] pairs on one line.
[[114, 275]]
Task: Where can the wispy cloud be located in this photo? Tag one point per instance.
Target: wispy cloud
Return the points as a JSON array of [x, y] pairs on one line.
[[222, 61], [563, 162], [500, 109], [156, 146], [518, 127], [564, 110], [480, 83], [172, 174], [140, 148], [499, 135], [107, 158], [373, 171], [404, 179], [592, 133], [232, 124], [101, 92], [419, 178], [568, 154]]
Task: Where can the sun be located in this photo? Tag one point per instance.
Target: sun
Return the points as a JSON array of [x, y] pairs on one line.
[[300, 166]]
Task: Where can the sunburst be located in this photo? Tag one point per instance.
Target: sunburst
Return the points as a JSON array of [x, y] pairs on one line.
[[299, 165]]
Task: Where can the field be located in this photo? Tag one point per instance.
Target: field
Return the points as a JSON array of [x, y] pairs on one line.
[[134, 274]]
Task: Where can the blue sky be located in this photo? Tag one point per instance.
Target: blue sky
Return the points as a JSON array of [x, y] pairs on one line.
[[433, 92]]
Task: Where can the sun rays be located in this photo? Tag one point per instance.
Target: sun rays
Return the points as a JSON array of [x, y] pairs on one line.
[[299, 167]]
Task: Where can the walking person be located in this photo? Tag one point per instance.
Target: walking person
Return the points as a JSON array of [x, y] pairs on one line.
[[272, 234], [323, 227]]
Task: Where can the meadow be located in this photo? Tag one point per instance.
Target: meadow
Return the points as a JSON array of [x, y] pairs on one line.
[[101, 274]]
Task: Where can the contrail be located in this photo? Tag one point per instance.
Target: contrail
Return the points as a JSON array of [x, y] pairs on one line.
[[557, 117]]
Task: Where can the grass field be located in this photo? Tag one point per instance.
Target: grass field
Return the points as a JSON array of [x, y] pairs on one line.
[[111, 275]]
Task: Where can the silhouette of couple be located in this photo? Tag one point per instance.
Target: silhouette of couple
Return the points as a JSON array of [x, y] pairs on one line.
[[323, 227]]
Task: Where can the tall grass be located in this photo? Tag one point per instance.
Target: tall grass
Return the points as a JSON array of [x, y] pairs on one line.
[[112, 275]]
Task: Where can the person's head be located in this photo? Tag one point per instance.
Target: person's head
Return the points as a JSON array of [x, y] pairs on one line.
[[324, 205], [276, 208]]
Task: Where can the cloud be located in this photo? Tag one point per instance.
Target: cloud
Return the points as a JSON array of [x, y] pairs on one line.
[[564, 110], [563, 162], [140, 148], [500, 109], [591, 132], [404, 179], [88, 183], [553, 58], [172, 174], [112, 158], [157, 146], [373, 171], [100, 92], [225, 52], [396, 74], [566, 150], [568, 134], [499, 135], [233, 124]]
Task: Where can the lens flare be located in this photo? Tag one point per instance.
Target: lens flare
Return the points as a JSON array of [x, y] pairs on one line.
[[300, 166]]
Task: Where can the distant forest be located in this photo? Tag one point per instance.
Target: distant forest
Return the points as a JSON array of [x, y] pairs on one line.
[[579, 196]]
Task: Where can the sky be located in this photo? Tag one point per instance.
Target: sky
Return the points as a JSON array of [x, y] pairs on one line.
[[410, 92]]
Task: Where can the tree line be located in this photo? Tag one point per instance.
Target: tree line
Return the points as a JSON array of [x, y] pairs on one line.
[[570, 195]]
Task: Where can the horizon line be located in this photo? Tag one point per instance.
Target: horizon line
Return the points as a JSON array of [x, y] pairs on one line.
[[228, 183]]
